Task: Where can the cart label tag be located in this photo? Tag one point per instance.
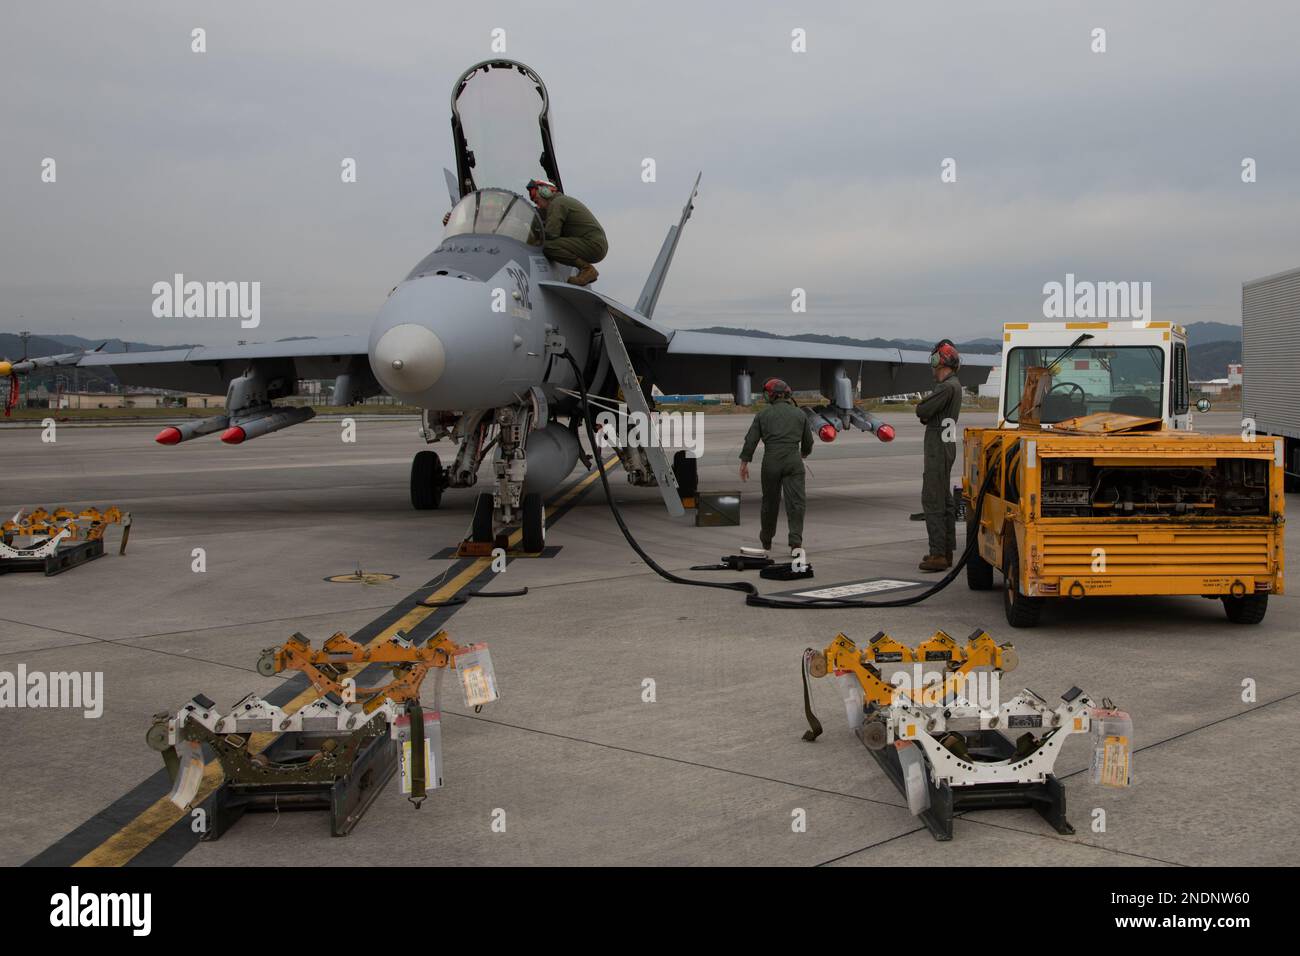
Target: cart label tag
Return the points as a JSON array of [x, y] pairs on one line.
[[477, 678], [1025, 720], [1115, 762]]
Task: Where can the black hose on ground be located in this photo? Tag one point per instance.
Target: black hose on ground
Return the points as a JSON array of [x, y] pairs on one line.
[[752, 595], [650, 562]]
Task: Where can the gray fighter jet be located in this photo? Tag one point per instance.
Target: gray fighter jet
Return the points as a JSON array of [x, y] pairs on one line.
[[475, 336]]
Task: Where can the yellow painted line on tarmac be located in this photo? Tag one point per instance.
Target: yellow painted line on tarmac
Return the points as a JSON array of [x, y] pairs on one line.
[[155, 820]]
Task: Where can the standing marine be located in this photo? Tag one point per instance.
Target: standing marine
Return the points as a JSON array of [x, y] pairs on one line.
[[787, 440], [571, 235], [939, 411]]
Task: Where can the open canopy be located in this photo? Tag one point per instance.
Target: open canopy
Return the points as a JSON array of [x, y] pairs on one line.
[[500, 123]]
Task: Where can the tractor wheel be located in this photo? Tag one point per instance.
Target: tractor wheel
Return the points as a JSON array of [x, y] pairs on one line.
[[979, 573], [1022, 611], [1247, 609]]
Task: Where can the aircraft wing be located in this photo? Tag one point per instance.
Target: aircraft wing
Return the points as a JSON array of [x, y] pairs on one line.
[[209, 369], [693, 364], [686, 362]]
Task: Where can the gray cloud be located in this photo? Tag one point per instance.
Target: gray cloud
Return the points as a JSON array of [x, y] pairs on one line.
[[821, 170]]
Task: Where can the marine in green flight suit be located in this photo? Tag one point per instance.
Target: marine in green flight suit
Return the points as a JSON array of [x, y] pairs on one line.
[[939, 411], [572, 235], [787, 440]]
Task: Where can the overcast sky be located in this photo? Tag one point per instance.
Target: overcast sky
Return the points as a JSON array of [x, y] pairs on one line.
[[821, 169]]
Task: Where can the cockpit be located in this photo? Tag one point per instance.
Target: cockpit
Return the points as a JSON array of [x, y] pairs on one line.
[[496, 212]]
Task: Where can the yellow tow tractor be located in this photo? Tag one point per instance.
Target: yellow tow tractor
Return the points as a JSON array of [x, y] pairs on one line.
[[1095, 483]]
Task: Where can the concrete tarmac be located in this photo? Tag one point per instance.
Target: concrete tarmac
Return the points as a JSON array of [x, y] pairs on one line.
[[640, 722]]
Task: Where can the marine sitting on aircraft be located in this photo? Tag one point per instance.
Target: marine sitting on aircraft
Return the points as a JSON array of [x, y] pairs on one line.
[[573, 236], [489, 339]]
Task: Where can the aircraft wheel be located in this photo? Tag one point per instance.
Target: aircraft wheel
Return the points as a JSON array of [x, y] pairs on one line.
[[1021, 611], [482, 528], [687, 471], [426, 481], [1247, 609], [534, 524]]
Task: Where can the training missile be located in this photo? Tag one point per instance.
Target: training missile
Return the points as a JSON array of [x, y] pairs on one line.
[[271, 421], [175, 434], [45, 361], [869, 423], [825, 428]]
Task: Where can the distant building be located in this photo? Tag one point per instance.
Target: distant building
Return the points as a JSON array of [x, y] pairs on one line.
[[993, 387]]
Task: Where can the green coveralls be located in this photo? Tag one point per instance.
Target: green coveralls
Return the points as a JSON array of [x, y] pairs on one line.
[[572, 233], [787, 440], [940, 509]]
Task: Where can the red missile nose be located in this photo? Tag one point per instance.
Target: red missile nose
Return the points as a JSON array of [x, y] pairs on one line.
[[233, 435], [168, 436], [885, 432], [827, 432]]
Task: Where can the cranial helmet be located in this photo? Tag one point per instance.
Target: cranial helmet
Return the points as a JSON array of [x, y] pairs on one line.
[[774, 388], [542, 187], [945, 353]]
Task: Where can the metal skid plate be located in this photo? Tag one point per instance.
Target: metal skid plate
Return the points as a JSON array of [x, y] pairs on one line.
[[1046, 797], [56, 561], [346, 795]]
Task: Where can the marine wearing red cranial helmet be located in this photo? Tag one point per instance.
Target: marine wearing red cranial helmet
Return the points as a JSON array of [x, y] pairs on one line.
[[946, 354], [542, 187], [774, 388]]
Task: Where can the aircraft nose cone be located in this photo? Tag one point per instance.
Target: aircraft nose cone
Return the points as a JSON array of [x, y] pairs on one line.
[[409, 359]]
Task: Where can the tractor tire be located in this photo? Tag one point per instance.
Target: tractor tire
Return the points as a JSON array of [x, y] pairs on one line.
[[979, 573], [1248, 609], [1022, 611]]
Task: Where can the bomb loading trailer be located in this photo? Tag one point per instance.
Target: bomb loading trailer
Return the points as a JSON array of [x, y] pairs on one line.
[[947, 749]]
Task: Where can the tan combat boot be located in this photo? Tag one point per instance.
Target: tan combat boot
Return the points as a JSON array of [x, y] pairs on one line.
[[587, 274], [935, 562]]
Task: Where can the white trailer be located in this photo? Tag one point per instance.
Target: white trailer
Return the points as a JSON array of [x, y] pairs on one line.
[[1270, 355]]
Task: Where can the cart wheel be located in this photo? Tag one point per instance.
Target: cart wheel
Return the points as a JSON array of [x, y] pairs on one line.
[[817, 665], [873, 735], [266, 664], [156, 736]]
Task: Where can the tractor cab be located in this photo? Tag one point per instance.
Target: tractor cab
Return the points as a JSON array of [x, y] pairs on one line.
[[1053, 372]]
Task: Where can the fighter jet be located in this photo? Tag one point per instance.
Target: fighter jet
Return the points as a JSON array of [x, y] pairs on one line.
[[477, 333]]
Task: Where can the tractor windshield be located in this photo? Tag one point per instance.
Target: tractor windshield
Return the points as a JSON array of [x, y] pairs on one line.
[[1127, 379]]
